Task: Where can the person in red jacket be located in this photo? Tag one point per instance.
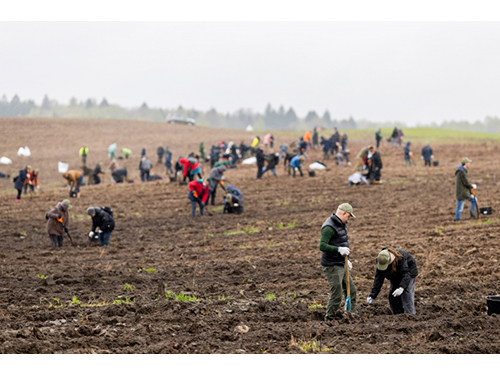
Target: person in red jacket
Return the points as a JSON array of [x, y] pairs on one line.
[[191, 167], [198, 194]]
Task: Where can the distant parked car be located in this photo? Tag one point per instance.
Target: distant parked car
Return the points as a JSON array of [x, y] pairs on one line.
[[174, 118]]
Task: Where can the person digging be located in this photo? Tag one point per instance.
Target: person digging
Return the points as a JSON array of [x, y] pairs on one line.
[[334, 246], [57, 223]]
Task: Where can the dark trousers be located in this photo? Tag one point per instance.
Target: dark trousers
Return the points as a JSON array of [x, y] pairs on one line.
[[79, 183], [169, 169], [405, 303], [96, 179], [259, 170], [19, 191], [300, 170], [144, 176], [269, 169], [104, 238], [56, 241], [427, 162], [212, 193], [32, 188]]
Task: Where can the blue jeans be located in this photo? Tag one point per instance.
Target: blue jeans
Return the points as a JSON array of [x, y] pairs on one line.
[[267, 169], [104, 238], [79, 183], [460, 206], [194, 202]]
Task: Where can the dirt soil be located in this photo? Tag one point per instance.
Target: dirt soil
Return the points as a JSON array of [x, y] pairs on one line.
[[260, 269]]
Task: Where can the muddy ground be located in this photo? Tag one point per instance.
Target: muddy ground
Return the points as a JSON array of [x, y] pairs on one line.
[[260, 269]]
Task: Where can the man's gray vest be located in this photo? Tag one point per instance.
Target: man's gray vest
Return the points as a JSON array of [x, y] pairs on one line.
[[329, 258]]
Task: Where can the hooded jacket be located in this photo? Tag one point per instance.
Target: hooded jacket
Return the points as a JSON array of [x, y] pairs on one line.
[[407, 151], [463, 186], [216, 176], [237, 193], [21, 179], [54, 227]]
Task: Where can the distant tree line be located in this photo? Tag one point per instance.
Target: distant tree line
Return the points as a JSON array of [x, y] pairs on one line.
[[271, 119]]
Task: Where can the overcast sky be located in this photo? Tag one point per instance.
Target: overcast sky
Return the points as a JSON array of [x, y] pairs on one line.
[[381, 71]]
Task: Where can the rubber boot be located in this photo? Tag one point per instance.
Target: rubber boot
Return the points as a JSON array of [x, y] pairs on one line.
[[473, 214]]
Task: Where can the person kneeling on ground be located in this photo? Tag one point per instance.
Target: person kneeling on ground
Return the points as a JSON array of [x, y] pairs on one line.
[[400, 268], [57, 223], [356, 178], [233, 202], [198, 194], [95, 174], [102, 218], [119, 175]]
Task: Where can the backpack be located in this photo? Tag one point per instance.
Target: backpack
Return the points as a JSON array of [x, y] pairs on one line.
[[108, 210]]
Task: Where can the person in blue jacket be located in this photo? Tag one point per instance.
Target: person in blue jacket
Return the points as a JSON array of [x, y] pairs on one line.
[[24, 174], [233, 202], [295, 163], [326, 147]]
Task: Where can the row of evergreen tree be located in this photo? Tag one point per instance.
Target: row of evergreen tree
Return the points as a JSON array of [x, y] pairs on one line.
[[280, 119]]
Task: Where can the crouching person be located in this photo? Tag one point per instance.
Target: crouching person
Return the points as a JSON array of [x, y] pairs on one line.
[[102, 218], [198, 194], [233, 202], [400, 268], [57, 223]]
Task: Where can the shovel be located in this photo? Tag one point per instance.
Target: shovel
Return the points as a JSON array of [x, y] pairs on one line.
[[347, 305], [477, 204], [73, 243]]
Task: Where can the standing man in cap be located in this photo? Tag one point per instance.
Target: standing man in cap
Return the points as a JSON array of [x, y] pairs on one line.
[[102, 218], [427, 154], [464, 189], [400, 268], [334, 246], [57, 222]]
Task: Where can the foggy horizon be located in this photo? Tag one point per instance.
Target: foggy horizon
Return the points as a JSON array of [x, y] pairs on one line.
[[413, 72]]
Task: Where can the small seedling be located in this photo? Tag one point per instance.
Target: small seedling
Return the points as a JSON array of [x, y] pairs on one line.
[[128, 287], [75, 301], [41, 276], [270, 296]]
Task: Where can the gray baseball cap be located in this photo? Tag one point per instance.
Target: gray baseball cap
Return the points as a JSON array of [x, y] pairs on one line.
[[346, 207]]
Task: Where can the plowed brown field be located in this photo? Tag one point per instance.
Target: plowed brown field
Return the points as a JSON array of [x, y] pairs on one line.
[[68, 300]]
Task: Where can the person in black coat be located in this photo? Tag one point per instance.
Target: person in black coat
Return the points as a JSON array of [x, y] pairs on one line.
[[272, 161], [95, 174], [104, 221], [375, 165], [119, 175], [160, 151], [261, 159], [427, 154], [20, 180], [400, 268]]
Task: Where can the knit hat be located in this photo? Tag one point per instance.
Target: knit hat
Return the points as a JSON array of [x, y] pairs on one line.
[[384, 258], [90, 211], [67, 203], [346, 207]]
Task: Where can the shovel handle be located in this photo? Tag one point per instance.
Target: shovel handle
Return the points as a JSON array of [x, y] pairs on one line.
[[346, 260]]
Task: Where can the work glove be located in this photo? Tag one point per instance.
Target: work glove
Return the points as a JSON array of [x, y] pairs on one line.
[[195, 194], [398, 292], [99, 231], [421, 157], [369, 300], [28, 175], [60, 219], [38, 187], [344, 251], [91, 234], [202, 204], [474, 186], [432, 156], [66, 230], [349, 264]]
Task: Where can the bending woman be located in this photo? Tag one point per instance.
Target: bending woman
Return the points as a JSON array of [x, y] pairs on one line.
[[400, 268]]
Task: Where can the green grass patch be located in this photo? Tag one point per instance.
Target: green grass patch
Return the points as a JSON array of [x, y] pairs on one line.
[[149, 270], [274, 244], [270, 296], [241, 231], [128, 287]]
